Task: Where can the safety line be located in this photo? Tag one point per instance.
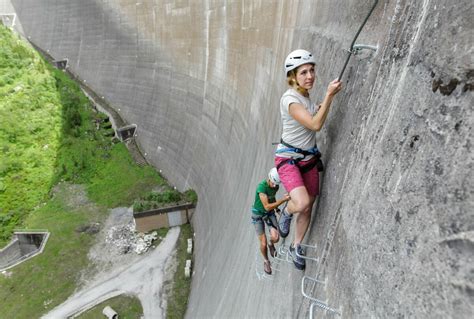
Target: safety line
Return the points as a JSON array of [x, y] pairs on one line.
[[355, 38]]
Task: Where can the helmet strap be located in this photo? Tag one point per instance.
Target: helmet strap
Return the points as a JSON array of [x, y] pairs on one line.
[[301, 90]]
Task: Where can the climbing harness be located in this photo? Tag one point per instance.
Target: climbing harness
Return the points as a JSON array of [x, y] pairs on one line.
[[354, 49], [265, 217], [301, 154]]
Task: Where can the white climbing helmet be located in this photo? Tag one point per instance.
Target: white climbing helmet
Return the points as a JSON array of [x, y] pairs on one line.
[[297, 58], [273, 176]]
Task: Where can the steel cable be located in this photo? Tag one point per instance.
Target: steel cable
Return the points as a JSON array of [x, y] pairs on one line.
[[355, 38]]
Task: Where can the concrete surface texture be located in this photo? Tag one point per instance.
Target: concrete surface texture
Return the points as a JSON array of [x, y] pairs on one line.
[[202, 80]]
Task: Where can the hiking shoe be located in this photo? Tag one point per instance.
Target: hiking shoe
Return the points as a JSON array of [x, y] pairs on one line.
[[284, 223], [272, 249], [267, 267], [298, 261]]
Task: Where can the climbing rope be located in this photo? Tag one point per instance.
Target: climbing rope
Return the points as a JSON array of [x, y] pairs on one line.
[[351, 48]]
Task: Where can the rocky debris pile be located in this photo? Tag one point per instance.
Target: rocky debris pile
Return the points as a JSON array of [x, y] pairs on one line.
[[127, 240]]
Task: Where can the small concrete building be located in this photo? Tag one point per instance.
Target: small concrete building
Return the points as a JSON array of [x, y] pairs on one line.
[[163, 217]]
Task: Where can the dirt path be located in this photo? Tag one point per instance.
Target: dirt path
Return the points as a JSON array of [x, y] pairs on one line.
[[144, 278]]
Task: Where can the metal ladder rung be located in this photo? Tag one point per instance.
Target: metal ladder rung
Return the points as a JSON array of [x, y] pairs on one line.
[[283, 254], [359, 47], [323, 306], [306, 257], [316, 302]]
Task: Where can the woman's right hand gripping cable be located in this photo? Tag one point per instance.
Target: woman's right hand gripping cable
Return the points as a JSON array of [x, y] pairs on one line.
[[334, 87]]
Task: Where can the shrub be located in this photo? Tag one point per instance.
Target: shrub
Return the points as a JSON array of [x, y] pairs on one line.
[[154, 200], [191, 196]]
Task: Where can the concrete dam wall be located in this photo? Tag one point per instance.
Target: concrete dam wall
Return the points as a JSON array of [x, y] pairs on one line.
[[394, 224]]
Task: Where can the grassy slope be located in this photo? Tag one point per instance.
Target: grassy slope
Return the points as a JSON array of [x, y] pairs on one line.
[[127, 307], [121, 183], [44, 281], [30, 128]]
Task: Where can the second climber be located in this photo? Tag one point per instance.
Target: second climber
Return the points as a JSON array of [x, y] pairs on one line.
[[263, 212]]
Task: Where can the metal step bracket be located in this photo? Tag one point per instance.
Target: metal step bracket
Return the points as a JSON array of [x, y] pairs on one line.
[[358, 47], [322, 306], [315, 302], [275, 266], [282, 253], [306, 257]]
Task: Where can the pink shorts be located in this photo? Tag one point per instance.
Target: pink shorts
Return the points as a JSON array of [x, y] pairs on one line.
[[291, 177]]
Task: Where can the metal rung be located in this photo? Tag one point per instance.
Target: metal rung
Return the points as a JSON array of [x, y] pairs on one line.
[[323, 306], [306, 257], [283, 254], [359, 47], [276, 262], [316, 302], [276, 267], [282, 249], [262, 275]]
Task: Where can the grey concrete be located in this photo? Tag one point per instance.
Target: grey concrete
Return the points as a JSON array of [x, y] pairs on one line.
[[10, 254], [23, 246], [6, 8], [202, 80]]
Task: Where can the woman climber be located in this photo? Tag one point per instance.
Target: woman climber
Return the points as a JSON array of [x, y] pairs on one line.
[[297, 158]]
